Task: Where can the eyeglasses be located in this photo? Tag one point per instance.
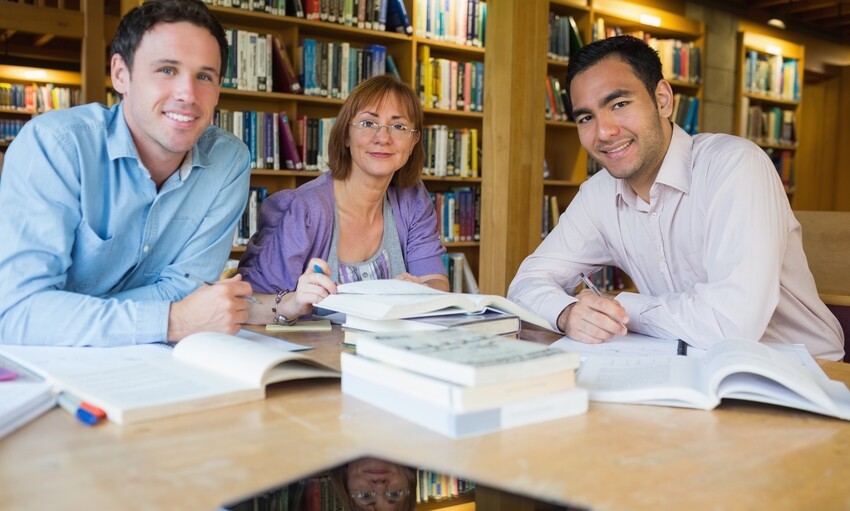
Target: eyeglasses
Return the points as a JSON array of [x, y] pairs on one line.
[[368, 498], [396, 131]]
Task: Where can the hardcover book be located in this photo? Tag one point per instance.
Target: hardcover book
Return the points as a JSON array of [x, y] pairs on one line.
[[436, 418], [464, 357], [453, 397]]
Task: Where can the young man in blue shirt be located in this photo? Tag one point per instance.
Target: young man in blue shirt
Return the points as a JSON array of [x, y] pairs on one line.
[[106, 211]]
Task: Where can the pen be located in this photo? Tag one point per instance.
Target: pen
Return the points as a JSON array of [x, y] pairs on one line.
[[74, 406], [589, 284], [682, 348], [199, 280], [318, 269]]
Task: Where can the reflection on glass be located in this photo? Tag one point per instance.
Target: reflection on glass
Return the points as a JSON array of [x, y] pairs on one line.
[[370, 484]]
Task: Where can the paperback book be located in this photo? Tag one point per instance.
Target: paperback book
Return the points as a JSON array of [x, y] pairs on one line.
[[730, 369], [203, 371], [489, 322]]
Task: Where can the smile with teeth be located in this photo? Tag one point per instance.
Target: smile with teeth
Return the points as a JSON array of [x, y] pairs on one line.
[[618, 148], [178, 117]]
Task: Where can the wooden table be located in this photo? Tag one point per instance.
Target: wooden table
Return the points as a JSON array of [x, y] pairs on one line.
[[740, 456]]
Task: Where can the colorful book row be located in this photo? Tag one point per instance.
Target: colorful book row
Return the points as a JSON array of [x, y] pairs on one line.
[[686, 112], [247, 225], [329, 69], [772, 75], [458, 214], [456, 21], [37, 98], [449, 84], [773, 126], [437, 486], [551, 213], [380, 15], [9, 128], [450, 152]]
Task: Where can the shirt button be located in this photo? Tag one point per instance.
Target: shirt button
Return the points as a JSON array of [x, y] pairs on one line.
[[365, 274], [146, 249]]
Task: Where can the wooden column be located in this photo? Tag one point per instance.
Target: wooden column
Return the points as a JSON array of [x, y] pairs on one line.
[[842, 174], [513, 139], [93, 65]]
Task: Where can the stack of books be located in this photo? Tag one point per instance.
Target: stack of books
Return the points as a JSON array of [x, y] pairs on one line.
[[398, 306], [460, 383]]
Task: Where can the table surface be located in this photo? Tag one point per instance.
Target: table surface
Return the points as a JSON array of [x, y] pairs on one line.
[[739, 456]]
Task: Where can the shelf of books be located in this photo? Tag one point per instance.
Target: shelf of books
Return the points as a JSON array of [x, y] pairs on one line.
[[26, 92], [294, 64], [769, 98], [429, 491]]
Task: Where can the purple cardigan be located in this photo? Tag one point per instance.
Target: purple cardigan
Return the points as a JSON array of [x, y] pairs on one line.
[[296, 225]]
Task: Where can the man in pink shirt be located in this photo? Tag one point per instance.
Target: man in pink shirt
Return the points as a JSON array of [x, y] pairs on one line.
[[701, 224]]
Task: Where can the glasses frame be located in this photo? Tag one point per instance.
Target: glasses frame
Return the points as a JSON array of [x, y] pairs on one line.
[[367, 497], [391, 132]]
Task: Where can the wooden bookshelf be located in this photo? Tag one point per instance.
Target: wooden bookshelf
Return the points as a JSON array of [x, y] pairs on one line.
[[767, 112]]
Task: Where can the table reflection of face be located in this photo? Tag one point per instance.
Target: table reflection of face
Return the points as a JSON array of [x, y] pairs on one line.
[[377, 485]]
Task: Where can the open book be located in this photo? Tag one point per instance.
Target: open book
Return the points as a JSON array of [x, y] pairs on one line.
[[732, 368], [204, 370], [397, 299]]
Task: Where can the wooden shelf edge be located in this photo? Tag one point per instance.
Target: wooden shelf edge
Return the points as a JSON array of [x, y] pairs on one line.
[[451, 179], [460, 244]]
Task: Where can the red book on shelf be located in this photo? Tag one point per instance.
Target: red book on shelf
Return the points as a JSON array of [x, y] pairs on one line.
[[284, 71], [290, 154]]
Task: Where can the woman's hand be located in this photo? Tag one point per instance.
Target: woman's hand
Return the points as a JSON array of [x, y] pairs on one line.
[[312, 287]]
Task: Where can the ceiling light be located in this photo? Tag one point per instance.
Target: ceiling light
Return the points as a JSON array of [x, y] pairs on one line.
[[776, 22]]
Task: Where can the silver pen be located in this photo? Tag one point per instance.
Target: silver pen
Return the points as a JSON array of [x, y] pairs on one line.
[[199, 280], [589, 284]]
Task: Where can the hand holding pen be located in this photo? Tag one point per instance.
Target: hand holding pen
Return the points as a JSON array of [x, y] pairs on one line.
[[199, 280], [594, 318]]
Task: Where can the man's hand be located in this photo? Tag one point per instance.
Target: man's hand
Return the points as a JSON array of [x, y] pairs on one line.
[[221, 307], [593, 319]]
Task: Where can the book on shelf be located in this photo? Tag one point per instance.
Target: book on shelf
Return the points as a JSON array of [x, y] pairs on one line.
[[489, 322], [440, 419], [453, 397], [397, 18], [396, 299], [730, 369], [283, 71], [464, 357], [290, 153], [203, 371]]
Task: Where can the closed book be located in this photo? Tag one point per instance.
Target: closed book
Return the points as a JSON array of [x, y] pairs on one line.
[[455, 398], [284, 71], [291, 155], [203, 371], [443, 421], [489, 322], [23, 400], [464, 357]]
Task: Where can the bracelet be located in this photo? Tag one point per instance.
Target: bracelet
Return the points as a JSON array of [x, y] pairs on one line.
[[280, 319]]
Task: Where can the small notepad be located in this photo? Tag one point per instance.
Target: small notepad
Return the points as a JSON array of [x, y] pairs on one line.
[[312, 325]]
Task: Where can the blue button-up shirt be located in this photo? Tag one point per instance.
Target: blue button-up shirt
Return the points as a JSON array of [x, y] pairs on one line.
[[91, 252]]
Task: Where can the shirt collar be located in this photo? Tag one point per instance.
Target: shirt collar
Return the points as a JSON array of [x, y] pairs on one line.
[[120, 144], [675, 170]]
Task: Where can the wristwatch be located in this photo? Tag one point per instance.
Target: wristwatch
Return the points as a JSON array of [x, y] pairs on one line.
[[280, 319]]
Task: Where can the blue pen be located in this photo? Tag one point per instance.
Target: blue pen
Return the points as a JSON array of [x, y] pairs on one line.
[[72, 405], [318, 269]]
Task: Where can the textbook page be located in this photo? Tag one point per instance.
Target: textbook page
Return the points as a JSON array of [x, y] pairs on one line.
[[630, 345]]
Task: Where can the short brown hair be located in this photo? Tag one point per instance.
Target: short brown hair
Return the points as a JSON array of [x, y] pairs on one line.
[[368, 93]]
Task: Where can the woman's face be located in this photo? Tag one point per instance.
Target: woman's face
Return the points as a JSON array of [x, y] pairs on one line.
[[377, 485], [381, 153]]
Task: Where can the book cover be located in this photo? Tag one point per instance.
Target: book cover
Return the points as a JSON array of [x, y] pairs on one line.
[[143, 382], [464, 357], [291, 156], [455, 398], [441, 420], [283, 70]]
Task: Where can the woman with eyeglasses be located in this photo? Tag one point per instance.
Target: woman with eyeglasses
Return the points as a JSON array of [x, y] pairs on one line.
[[370, 484], [369, 218]]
